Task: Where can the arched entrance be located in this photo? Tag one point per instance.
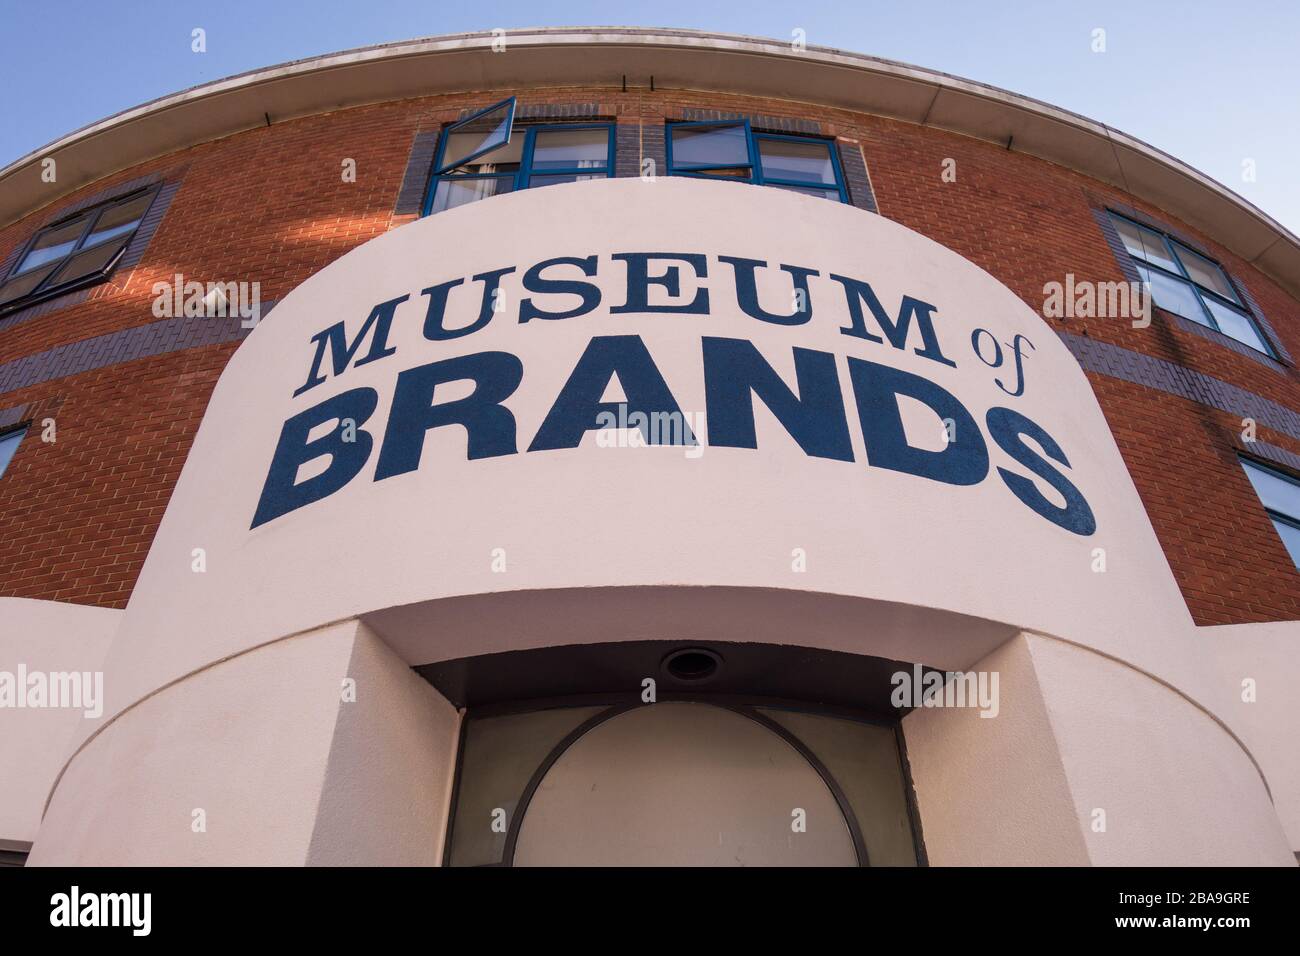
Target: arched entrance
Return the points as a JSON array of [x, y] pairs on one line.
[[683, 784], [731, 755]]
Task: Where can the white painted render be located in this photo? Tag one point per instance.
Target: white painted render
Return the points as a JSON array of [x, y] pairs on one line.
[[223, 685]]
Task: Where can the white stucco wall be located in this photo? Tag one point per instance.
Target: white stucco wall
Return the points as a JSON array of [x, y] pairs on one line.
[[992, 791], [265, 746], [1258, 670], [1175, 787], [1088, 761], [35, 743], [388, 783], [593, 517], [595, 543]]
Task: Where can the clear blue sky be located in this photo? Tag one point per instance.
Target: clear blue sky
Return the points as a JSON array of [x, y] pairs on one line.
[[1211, 83]]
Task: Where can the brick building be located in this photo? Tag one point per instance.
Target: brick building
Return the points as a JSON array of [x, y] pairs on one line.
[[493, 614]]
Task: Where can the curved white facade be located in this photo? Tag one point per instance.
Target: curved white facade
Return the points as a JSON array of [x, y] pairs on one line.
[[881, 451]]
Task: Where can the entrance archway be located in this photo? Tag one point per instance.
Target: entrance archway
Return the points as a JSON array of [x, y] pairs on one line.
[[683, 784]]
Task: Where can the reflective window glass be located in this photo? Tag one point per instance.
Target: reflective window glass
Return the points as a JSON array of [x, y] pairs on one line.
[[803, 161], [1144, 243], [466, 140], [9, 443], [53, 244], [1205, 273], [75, 252], [709, 146], [571, 149], [451, 193], [1174, 295]]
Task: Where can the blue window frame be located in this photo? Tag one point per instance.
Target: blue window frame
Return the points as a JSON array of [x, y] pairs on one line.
[[9, 442], [731, 149], [484, 156], [488, 129], [1189, 284], [1280, 495]]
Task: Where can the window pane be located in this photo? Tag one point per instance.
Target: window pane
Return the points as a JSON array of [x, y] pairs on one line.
[[806, 162], [1174, 295], [1233, 323], [741, 173], [1274, 491], [1290, 536], [503, 159], [1206, 273], [863, 759], [709, 146], [552, 179], [25, 283], [571, 148], [90, 262], [809, 191], [489, 131], [53, 244], [8, 445], [118, 220], [1144, 243], [500, 756], [457, 192]]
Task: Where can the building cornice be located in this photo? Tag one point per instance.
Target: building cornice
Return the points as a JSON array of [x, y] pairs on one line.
[[677, 59]]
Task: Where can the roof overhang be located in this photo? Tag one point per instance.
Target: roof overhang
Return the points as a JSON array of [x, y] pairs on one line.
[[677, 59]]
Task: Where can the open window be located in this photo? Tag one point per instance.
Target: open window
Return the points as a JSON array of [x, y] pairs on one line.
[[76, 251], [487, 155], [473, 137]]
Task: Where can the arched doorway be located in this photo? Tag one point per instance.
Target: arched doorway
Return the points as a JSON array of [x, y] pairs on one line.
[[741, 755], [683, 784]]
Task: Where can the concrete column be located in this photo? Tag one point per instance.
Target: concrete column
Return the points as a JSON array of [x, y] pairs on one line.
[[260, 759], [388, 781], [992, 791], [52, 640], [1087, 761]]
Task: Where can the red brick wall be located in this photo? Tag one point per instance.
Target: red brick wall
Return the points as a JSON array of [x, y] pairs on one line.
[[270, 205]]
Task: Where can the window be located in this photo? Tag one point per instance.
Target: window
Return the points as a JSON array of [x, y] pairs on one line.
[[732, 150], [9, 442], [76, 251], [1280, 495], [1188, 284], [484, 155]]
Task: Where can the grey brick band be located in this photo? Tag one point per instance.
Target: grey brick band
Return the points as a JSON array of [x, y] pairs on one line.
[[1279, 456], [774, 124], [9, 417], [156, 338], [653, 146], [1129, 366], [419, 167], [627, 150], [558, 111], [855, 176]]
